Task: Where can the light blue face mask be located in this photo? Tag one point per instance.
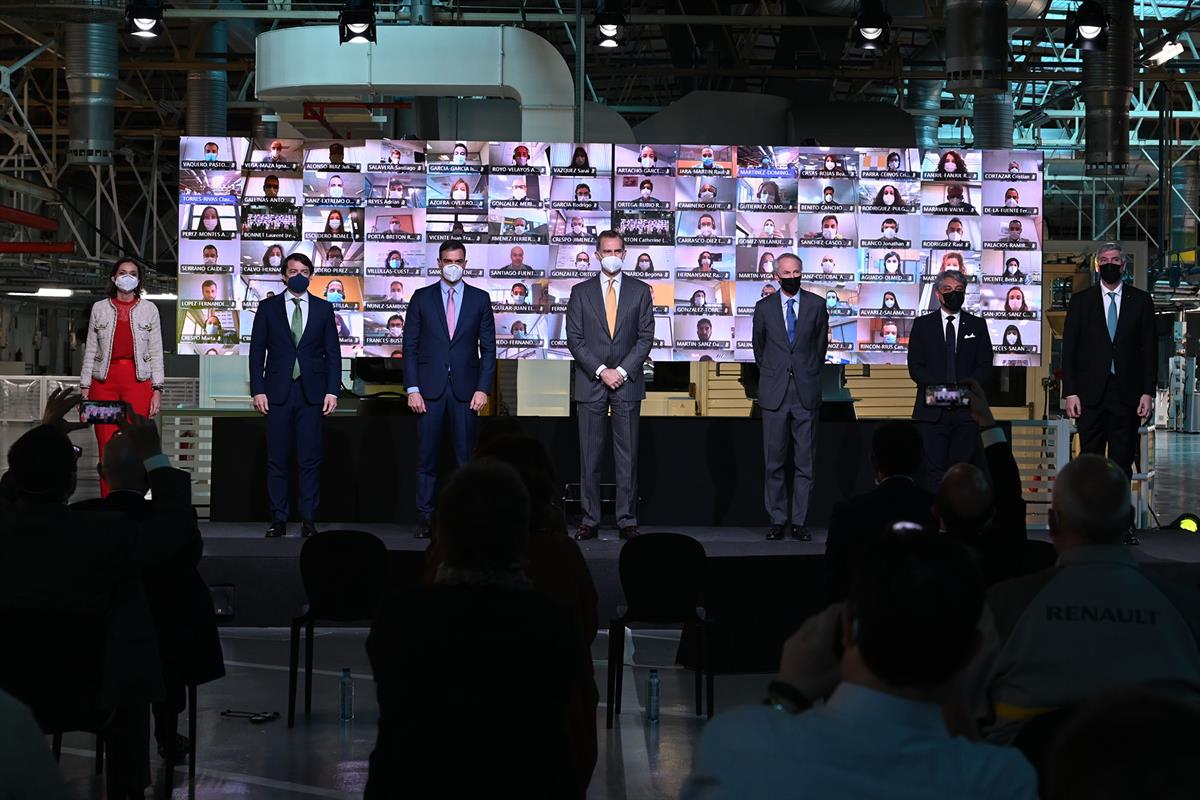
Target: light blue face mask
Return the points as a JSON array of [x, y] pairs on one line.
[[210, 156], [889, 338], [334, 297], [394, 263], [212, 330], [707, 161]]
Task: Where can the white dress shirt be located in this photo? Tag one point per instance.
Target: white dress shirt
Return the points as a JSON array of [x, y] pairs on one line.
[[783, 301], [290, 308], [1109, 300], [946, 315], [604, 279]]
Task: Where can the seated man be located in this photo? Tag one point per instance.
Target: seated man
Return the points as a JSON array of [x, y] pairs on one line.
[[438, 704], [1093, 622], [908, 630], [180, 604], [57, 563], [859, 523]]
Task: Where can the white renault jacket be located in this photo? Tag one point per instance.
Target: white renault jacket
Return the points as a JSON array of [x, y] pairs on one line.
[[147, 343]]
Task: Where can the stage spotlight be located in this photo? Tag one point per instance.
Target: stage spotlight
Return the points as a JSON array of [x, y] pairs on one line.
[[1169, 49], [1087, 27], [143, 18], [873, 27], [609, 23], [356, 22], [1188, 523]]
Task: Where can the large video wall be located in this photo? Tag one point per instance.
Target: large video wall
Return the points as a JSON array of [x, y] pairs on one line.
[[703, 225]]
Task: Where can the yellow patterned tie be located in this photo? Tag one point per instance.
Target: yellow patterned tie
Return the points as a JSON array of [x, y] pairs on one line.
[[610, 307]]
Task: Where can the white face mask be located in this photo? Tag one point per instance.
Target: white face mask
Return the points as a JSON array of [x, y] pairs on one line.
[[769, 230], [335, 191], [644, 266], [335, 223], [1011, 339], [710, 196], [1010, 269], [647, 161], [458, 194], [274, 261], [889, 233], [126, 283], [1014, 305], [210, 260], [576, 229], [706, 230], [519, 229], [582, 263], [1010, 202], [646, 193], [212, 330], [951, 166], [518, 193], [891, 266], [827, 266], [521, 161], [210, 224], [1014, 234], [394, 227], [828, 198], [394, 158], [395, 332], [452, 273], [888, 199], [889, 303], [829, 164], [582, 198], [611, 264], [828, 233], [706, 262], [954, 236]]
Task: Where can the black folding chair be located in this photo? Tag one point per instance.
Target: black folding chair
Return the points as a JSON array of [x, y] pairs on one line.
[[344, 573], [662, 575]]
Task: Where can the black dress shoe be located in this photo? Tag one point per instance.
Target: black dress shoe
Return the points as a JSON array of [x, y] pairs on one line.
[[1131, 539], [277, 530], [801, 534], [307, 528], [585, 532], [775, 532], [423, 529], [629, 532]]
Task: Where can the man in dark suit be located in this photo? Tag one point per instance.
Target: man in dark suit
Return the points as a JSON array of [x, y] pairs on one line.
[[180, 604], [790, 337], [450, 350], [859, 523], [295, 377], [91, 655], [1110, 361], [948, 346], [610, 331]]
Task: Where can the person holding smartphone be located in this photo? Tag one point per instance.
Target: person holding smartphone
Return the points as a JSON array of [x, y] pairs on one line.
[[123, 357]]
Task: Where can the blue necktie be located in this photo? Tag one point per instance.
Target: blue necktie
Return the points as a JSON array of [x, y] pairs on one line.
[[791, 321], [1112, 326]]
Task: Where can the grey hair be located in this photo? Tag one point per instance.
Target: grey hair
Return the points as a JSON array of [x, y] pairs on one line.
[[949, 274], [1107, 246]]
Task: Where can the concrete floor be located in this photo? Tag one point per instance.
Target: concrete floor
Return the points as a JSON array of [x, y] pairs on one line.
[[322, 757]]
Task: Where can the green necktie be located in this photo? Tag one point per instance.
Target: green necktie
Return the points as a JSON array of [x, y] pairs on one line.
[[297, 332]]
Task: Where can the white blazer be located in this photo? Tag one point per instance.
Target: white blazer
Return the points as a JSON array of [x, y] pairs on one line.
[[147, 342]]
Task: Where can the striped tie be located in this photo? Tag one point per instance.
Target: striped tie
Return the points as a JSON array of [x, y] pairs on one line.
[[297, 332]]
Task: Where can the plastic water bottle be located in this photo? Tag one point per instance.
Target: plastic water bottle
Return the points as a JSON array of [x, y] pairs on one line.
[[347, 695], [652, 697]]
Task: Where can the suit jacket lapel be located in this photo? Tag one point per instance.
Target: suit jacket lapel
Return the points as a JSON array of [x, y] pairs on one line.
[[1124, 297], [593, 296], [441, 309], [624, 300], [461, 306]]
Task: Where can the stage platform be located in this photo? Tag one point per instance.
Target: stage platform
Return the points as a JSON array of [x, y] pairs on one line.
[[262, 576]]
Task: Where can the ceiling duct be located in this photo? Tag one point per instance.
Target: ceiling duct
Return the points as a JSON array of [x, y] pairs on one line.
[[1107, 92], [992, 121], [65, 10], [976, 46], [91, 73], [923, 101], [208, 90]]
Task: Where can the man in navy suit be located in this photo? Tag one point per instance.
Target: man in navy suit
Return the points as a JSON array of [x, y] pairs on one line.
[[1110, 361], [450, 346], [789, 334], [948, 346], [295, 377]]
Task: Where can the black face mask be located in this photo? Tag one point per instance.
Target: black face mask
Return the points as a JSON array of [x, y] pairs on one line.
[[1111, 273], [953, 301], [790, 285]]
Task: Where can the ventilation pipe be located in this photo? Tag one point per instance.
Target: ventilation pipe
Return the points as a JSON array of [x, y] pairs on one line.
[[265, 128], [91, 71], [976, 46], [208, 90], [923, 101], [1107, 92], [993, 121]]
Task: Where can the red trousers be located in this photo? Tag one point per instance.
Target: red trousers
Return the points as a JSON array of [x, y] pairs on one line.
[[121, 384]]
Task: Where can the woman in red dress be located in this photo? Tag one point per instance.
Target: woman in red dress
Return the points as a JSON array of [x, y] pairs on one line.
[[123, 359]]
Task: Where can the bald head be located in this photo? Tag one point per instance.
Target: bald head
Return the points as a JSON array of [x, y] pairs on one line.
[[964, 499], [122, 467], [1091, 503]]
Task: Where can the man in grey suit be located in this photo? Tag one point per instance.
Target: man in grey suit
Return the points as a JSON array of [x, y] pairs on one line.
[[789, 346], [610, 330]]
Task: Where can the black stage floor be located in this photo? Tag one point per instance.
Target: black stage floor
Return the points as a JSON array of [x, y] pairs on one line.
[[263, 578]]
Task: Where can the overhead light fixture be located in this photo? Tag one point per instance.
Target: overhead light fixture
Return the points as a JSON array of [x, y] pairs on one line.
[[1188, 523], [143, 18], [356, 22], [872, 29], [609, 23], [1169, 49], [1087, 27], [45, 291]]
